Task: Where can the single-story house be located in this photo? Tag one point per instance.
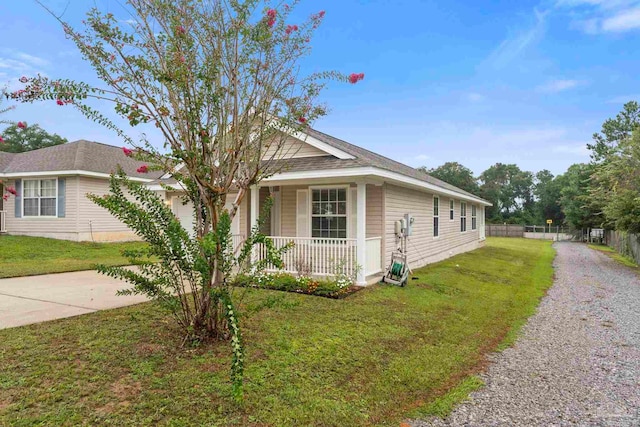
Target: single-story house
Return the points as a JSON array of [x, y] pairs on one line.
[[51, 185], [339, 204]]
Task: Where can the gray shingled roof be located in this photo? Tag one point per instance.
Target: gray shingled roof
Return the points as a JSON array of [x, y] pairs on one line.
[[79, 155], [365, 157], [362, 158]]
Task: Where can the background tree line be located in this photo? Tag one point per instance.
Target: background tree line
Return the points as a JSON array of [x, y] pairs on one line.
[[604, 193]]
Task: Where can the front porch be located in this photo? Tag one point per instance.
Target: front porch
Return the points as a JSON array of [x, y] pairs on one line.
[[332, 228]]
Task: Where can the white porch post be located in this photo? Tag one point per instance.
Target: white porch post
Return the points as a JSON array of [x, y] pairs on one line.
[[253, 213], [361, 230]]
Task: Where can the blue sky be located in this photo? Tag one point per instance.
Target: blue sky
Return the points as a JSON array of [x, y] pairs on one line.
[[477, 82]]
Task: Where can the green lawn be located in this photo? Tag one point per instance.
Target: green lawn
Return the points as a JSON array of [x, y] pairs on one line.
[[612, 253], [379, 356], [26, 256]]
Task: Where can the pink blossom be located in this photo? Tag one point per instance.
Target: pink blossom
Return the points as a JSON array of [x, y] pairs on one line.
[[60, 102], [1, 139], [291, 28], [127, 152], [321, 14], [23, 79], [143, 169], [302, 120], [5, 197], [22, 125], [355, 78], [181, 30], [271, 14], [12, 190]]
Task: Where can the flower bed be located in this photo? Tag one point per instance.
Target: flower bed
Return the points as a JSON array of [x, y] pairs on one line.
[[336, 287]]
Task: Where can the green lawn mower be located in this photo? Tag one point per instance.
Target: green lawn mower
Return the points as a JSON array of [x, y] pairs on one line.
[[398, 271]]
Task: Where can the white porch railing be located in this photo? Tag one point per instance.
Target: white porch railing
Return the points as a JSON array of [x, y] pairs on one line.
[[3, 224], [373, 248], [237, 240], [315, 256]]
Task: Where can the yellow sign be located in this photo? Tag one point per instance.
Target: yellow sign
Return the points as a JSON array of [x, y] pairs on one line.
[[549, 221]]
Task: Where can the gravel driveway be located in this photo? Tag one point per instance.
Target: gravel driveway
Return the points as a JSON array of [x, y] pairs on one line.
[[577, 361]]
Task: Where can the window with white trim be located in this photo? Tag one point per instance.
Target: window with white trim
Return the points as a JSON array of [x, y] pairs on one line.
[[463, 217], [436, 216], [474, 217], [451, 209], [329, 212], [39, 197]]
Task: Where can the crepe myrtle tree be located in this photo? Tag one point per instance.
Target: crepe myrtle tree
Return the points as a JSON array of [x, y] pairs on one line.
[[222, 82], [8, 191]]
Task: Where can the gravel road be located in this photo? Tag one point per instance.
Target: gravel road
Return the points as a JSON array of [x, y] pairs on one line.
[[577, 361]]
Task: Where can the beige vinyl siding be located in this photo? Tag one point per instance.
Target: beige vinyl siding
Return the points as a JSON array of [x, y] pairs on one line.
[[288, 209], [92, 216], [374, 211], [293, 148], [422, 247], [59, 228]]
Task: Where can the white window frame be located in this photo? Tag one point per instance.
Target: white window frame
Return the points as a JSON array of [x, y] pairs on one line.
[[452, 210], [345, 187], [474, 217], [24, 181], [463, 217], [436, 216]]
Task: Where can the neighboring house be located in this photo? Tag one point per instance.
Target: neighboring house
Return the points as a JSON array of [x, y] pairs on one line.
[[338, 203], [52, 184]]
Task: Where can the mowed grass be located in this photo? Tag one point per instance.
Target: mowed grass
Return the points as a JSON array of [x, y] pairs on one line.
[[375, 358], [612, 253], [28, 256]]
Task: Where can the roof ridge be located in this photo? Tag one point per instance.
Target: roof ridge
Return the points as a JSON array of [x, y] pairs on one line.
[[357, 151]]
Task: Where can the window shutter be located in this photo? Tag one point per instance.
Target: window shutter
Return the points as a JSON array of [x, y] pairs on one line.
[[18, 200], [61, 197], [302, 213], [353, 213]]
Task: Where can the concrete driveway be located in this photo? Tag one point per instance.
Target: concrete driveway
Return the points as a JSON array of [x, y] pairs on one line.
[[33, 299]]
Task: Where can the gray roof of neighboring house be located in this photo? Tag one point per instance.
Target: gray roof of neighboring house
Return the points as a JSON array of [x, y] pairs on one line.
[[73, 156], [362, 158]]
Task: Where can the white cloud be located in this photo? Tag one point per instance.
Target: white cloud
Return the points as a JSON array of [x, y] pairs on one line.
[[602, 16], [518, 42], [475, 97], [14, 64], [559, 85], [625, 20]]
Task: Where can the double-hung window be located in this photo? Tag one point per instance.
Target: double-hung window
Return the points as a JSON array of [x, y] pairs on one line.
[[40, 197], [474, 217], [451, 209], [329, 212], [463, 217], [436, 216]]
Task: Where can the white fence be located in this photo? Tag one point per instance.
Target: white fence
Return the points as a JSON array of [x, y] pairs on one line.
[[555, 233], [315, 256], [3, 225]]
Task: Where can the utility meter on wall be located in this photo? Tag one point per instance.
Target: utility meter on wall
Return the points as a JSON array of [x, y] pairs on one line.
[[408, 219]]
